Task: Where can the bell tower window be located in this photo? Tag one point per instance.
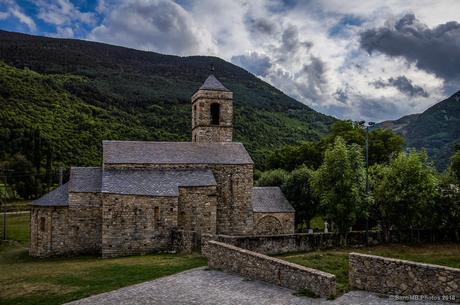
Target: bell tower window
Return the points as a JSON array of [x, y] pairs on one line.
[[215, 114]]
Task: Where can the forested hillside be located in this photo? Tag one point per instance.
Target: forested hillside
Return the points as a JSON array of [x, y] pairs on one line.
[[437, 130], [64, 96]]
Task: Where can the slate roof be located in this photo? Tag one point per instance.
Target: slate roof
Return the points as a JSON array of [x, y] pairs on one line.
[[143, 152], [85, 179], [57, 197], [270, 200], [212, 83], [154, 182]]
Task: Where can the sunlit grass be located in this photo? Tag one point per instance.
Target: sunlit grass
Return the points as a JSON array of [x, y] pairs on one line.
[[26, 280]]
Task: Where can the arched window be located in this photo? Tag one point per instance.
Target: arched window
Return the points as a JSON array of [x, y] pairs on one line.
[[215, 114]]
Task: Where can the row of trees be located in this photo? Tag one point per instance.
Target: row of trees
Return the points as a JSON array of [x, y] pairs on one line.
[[405, 191]]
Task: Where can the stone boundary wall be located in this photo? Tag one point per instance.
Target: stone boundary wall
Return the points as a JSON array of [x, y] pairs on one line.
[[400, 277], [257, 266], [300, 242]]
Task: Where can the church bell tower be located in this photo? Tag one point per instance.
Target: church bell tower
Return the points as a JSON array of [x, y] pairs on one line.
[[212, 112]]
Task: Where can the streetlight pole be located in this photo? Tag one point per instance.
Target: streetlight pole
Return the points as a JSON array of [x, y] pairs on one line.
[[369, 124]]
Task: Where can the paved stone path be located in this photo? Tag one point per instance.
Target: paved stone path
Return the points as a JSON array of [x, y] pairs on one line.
[[207, 287]]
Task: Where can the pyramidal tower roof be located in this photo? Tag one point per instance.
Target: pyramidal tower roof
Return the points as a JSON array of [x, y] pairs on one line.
[[212, 83]]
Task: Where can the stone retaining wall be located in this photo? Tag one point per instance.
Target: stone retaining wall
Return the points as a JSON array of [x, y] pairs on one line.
[[261, 267], [400, 277]]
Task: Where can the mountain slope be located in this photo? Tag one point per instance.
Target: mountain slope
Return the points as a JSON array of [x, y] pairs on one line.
[[437, 129], [81, 92], [399, 125]]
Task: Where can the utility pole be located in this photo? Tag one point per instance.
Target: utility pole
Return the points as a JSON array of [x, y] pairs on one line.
[[369, 124]]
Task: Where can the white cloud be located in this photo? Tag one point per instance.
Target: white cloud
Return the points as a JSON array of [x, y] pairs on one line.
[[158, 25], [62, 12], [13, 10], [4, 15], [100, 7]]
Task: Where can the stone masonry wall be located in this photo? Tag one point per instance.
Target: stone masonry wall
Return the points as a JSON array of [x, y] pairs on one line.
[[273, 223], [137, 224], [85, 222], [197, 209], [48, 231], [234, 191], [212, 134], [261, 267], [278, 244], [399, 277], [202, 130]]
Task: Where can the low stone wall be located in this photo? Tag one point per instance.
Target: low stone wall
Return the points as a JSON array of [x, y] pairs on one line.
[[278, 244], [261, 267], [399, 277]]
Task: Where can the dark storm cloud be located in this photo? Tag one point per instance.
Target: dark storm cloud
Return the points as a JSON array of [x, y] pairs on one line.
[[403, 84], [312, 80], [254, 62], [435, 50], [290, 40], [261, 25], [378, 109]]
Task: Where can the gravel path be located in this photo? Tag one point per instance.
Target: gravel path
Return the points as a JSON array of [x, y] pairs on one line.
[[207, 287]]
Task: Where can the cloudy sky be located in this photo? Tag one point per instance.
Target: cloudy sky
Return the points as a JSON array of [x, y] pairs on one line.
[[354, 59]]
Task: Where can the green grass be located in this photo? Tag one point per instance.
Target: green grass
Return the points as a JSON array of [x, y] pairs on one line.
[[336, 261], [17, 227], [26, 280]]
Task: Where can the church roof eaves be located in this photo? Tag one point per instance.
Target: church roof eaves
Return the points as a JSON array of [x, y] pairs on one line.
[[144, 152]]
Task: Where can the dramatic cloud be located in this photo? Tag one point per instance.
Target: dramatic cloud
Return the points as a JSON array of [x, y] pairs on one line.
[[436, 50], [360, 60], [254, 62], [403, 84], [158, 25]]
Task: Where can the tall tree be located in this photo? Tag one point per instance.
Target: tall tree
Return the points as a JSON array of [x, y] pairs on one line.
[[455, 164], [299, 193], [274, 177], [404, 190], [339, 184]]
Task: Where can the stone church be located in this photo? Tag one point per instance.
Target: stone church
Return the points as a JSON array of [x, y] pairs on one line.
[[146, 191]]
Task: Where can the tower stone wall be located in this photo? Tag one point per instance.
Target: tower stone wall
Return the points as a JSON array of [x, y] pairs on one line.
[[204, 126]]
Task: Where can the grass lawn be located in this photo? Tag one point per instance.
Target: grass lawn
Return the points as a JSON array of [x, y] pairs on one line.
[[26, 280], [336, 261]]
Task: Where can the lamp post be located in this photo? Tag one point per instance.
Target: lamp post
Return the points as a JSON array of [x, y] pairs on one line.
[[369, 124]]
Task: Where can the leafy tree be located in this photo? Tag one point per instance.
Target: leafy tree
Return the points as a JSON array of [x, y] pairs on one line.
[[24, 178], [404, 190], [289, 157], [455, 164], [384, 144], [339, 184], [299, 193], [274, 177], [445, 209]]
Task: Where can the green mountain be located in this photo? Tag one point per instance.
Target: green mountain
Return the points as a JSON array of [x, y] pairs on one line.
[[61, 97], [437, 129]]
